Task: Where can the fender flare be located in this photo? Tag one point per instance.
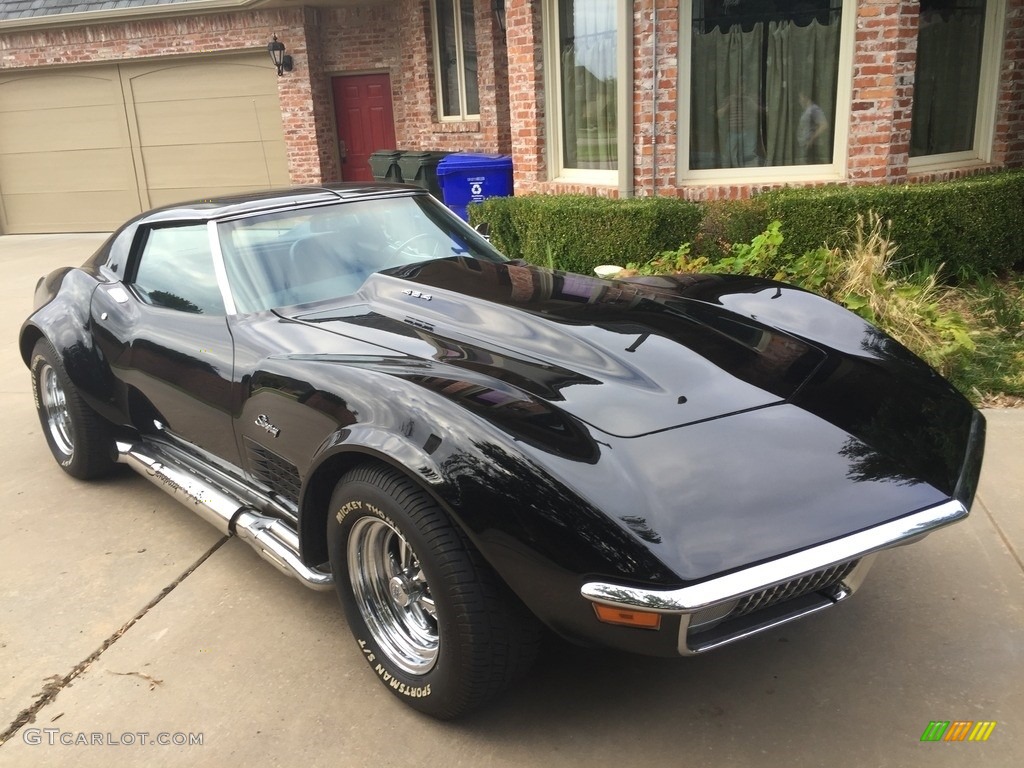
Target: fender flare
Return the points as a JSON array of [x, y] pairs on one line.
[[344, 450], [63, 318]]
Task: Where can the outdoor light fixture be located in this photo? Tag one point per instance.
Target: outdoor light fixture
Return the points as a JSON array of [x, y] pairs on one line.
[[499, 12], [281, 60]]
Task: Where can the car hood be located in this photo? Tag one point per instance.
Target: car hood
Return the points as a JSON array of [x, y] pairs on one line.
[[719, 422], [619, 357]]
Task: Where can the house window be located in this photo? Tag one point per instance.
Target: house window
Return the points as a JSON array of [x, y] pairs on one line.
[[584, 54], [763, 88], [458, 92], [952, 103]]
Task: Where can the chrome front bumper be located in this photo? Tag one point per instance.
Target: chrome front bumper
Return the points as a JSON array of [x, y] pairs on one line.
[[719, 595]]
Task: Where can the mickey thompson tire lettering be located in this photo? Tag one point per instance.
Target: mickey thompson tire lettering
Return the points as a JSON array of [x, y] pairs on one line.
[[433, 621]]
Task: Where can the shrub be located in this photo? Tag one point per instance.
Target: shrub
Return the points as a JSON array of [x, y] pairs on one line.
[[725, 222], [915, 310], [577, 233], [968, 225]]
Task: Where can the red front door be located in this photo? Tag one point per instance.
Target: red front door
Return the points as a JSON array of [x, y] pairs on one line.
[[365, 120]]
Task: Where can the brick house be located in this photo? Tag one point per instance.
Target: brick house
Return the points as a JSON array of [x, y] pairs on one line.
[[109, 107]]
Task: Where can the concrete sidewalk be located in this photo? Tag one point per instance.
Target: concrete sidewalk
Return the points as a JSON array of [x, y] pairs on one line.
[[124, 614]]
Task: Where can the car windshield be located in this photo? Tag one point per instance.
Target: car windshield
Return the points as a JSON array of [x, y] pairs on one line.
[[311, 254]]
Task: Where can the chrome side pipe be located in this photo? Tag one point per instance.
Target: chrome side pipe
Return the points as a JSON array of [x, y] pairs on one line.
[[273, 539], [278, 544]]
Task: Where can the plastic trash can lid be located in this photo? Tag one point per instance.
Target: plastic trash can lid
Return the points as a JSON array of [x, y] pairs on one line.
[[466, 161]]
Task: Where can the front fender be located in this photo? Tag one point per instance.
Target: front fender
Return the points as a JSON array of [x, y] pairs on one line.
[[536, 533], [63, 300], [346, 449]]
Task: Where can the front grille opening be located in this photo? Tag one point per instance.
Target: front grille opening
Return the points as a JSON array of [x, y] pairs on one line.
[[812, 582], [718, 616]]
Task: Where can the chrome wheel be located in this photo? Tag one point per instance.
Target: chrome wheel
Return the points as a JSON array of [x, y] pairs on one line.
[[392, 595], [55, 408], [408, 579], [81, 441]]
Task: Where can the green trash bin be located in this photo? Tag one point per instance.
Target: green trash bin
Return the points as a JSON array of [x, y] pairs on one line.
[[384, 165], [420, 168]]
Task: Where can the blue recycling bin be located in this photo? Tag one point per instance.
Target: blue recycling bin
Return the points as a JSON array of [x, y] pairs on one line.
[[467, 178]]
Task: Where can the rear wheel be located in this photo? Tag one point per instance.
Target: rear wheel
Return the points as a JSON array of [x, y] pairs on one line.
[[79, 438], [433, 621]]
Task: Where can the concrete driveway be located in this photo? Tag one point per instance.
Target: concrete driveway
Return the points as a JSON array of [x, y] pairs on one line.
[[124, 617]]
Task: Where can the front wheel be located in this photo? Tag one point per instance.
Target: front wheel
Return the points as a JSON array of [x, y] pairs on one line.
[[78, 437], [431, 619]]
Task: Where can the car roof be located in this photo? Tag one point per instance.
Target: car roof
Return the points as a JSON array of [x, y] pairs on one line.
[[206, 209], [114, 252]]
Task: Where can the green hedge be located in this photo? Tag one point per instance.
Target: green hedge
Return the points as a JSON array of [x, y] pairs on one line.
[[577, 232], [724, 222], [969, 225]]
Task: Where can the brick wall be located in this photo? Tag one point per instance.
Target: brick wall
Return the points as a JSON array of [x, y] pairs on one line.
[[1009, 137], [656, 96], [396, 38], [526, 94], [877, 151], [883, 66], [192, 35], [361, 40]]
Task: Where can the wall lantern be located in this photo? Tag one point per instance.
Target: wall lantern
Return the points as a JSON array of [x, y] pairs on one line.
[[499, 12], [281, 60]]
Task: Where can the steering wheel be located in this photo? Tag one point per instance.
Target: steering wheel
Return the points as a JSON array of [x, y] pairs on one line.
[[404, 245]]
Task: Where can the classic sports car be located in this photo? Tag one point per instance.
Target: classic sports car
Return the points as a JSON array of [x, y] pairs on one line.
[[468, 448]]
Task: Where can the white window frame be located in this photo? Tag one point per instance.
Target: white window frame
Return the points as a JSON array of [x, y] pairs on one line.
[[834, 171], [622, 176], [988, 98], [463, 115]]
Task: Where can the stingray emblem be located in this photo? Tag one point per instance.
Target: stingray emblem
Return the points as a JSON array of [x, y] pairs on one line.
[[417, 294], [264, 423]]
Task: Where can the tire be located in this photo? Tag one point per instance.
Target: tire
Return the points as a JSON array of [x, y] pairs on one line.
[[79, 438], [433, 621]]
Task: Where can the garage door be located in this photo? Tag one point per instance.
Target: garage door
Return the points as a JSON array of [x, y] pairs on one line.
[[84, 149]]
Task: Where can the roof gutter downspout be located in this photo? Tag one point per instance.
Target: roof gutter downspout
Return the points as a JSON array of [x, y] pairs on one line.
[[654, 100], [624, 96]]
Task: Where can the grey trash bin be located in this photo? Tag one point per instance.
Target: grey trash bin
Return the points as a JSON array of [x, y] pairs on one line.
[[420, 168], [384, 165]]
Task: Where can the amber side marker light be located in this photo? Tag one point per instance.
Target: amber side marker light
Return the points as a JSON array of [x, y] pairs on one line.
[[640, 619]]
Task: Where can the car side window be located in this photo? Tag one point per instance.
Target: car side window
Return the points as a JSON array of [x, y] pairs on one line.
[[175, 270]]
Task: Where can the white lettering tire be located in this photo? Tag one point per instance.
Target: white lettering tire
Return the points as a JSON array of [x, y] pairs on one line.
[[79, 438], [432, 620]]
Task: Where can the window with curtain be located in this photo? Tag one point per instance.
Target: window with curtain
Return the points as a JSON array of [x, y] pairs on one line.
[[587, 36], [763, 83], [947, 78], [455, 66]]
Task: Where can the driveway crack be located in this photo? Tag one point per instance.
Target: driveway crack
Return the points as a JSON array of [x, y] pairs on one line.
[[1002, 535], [54, 684]]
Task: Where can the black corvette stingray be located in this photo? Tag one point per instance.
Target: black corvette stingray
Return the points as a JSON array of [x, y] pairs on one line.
[[467, 448]]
